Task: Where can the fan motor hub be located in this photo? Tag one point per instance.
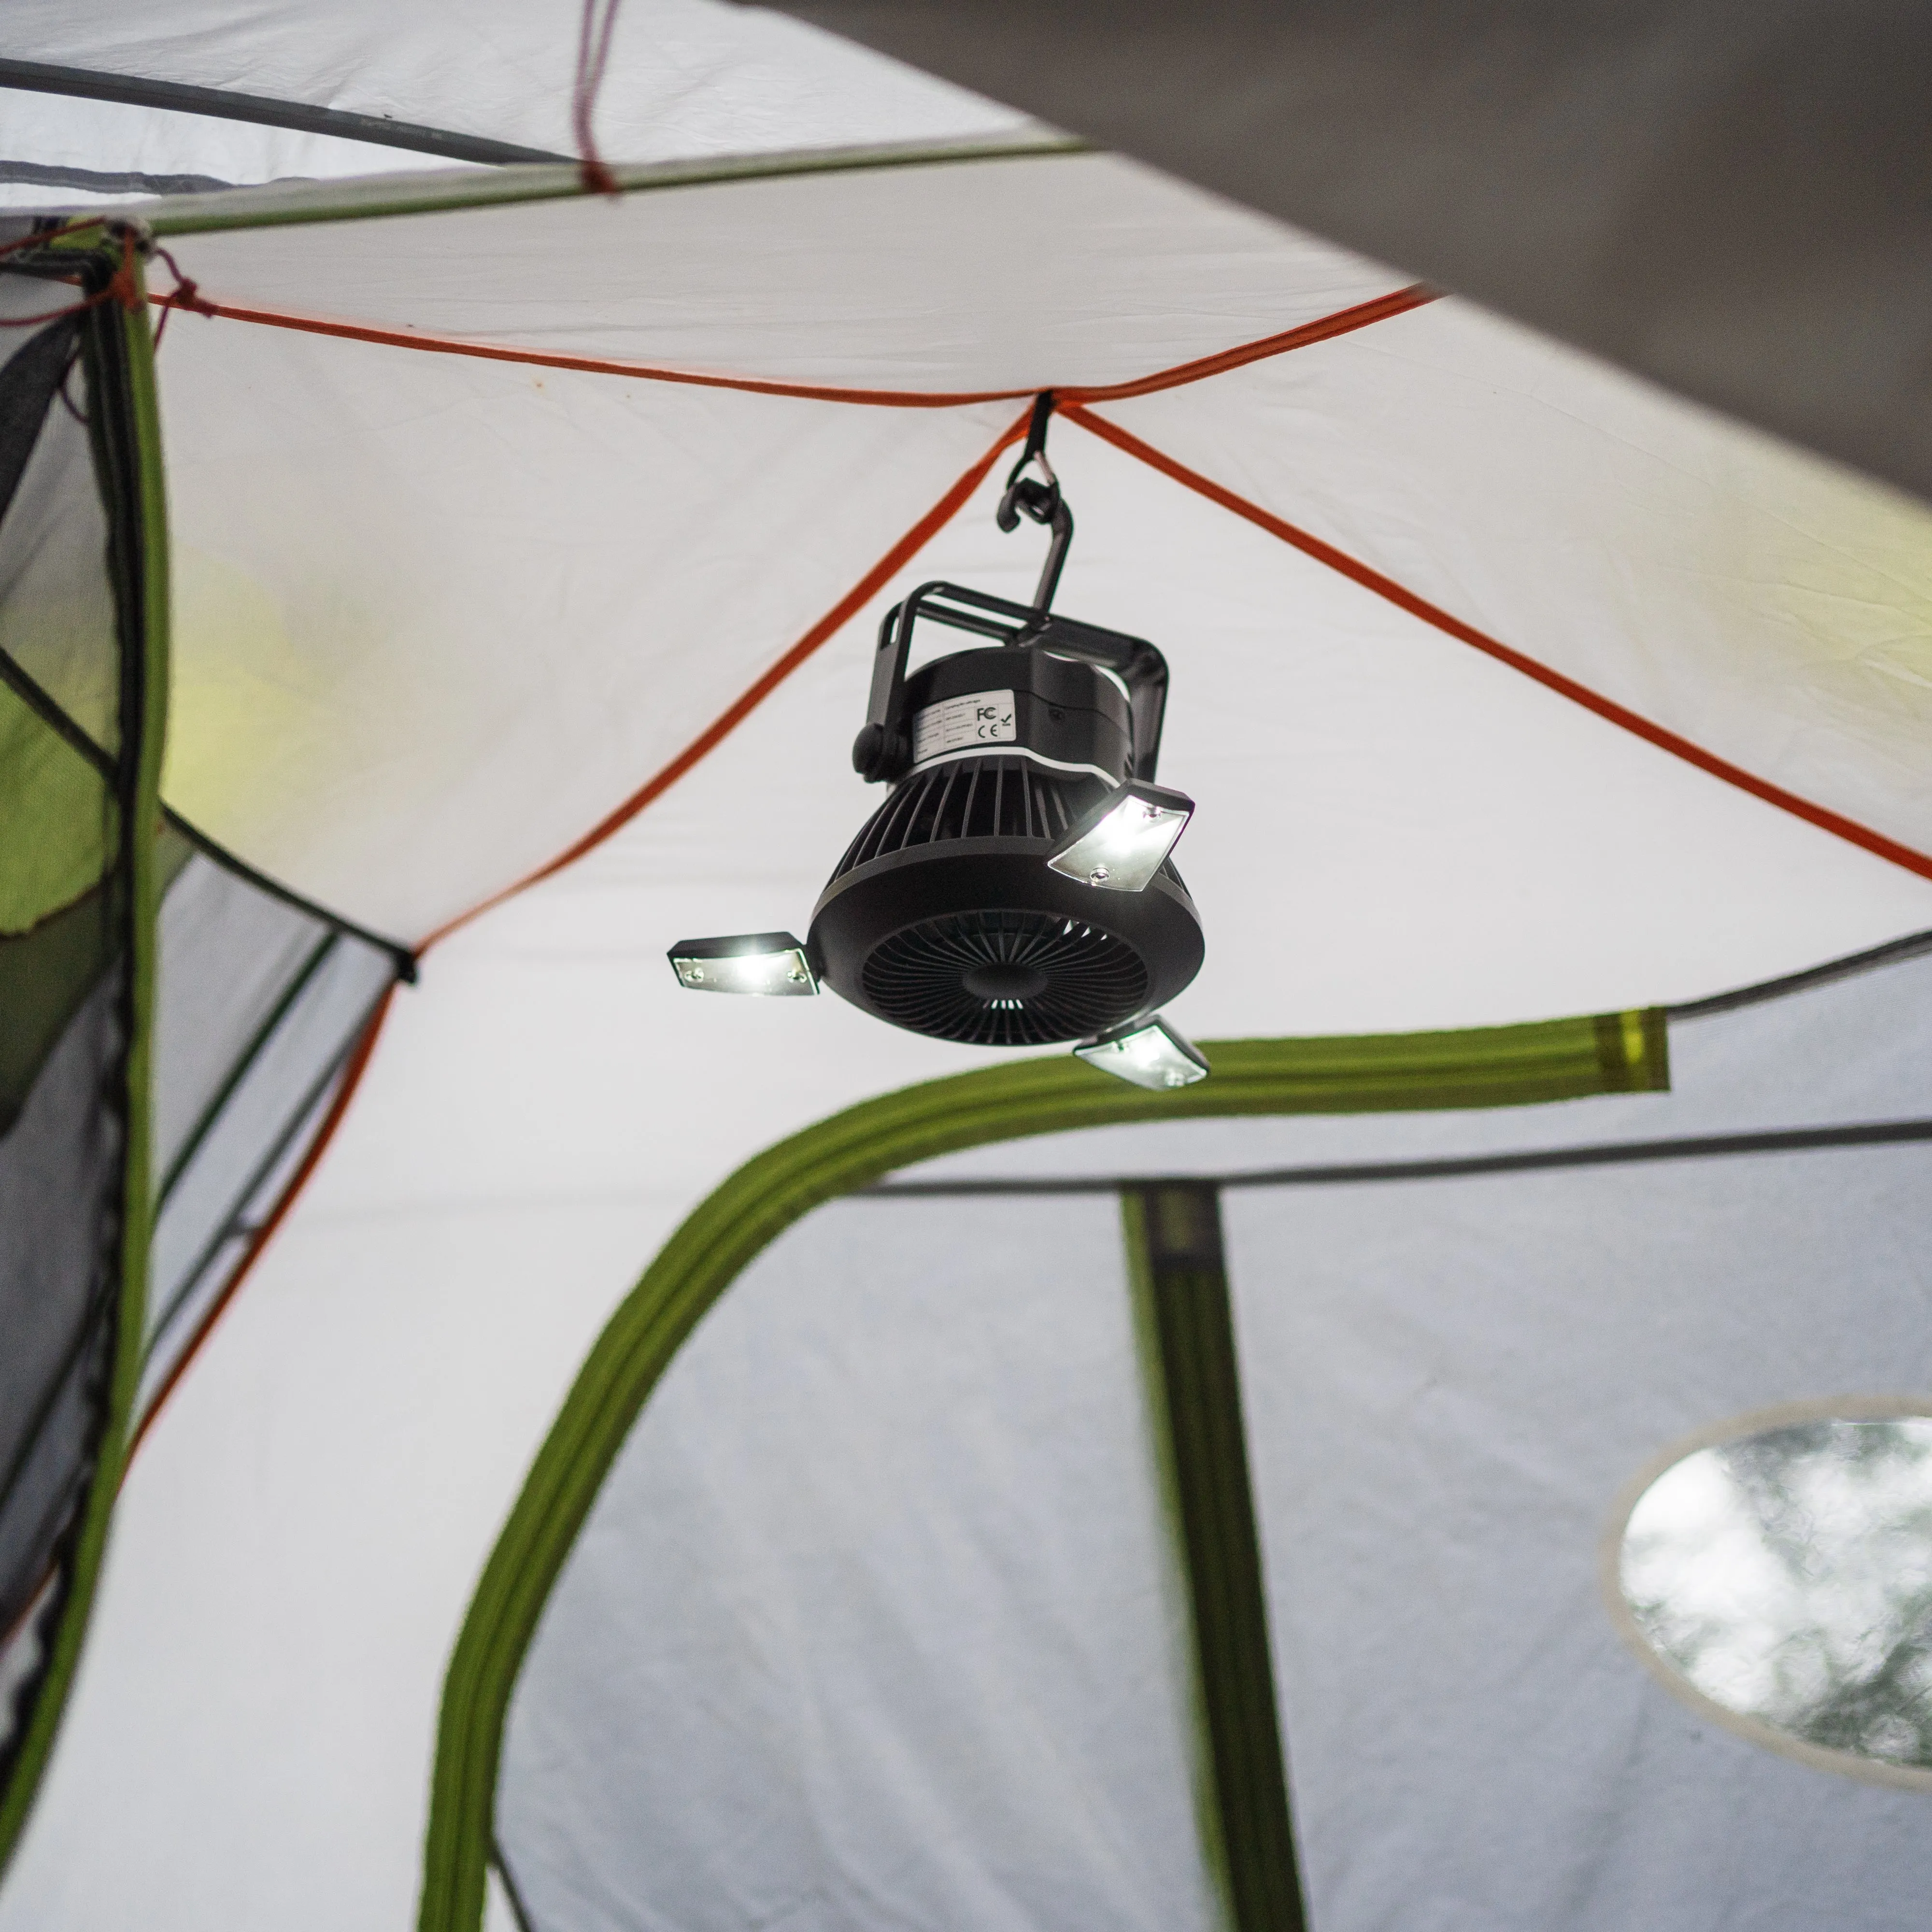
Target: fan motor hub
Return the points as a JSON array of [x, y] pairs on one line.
[[1006, 980]]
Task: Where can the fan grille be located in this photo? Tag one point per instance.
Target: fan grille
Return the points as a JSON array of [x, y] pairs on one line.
[[973, 798], [917, 978]]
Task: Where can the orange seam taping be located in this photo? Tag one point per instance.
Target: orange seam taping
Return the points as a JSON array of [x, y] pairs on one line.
[[901, 552], [594, 365], [1399, 301], [727, 721], [188, 295], [1821, 816]]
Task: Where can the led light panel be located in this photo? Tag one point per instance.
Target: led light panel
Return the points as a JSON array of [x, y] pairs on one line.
[[1120, 845], [769, 963], [1151, 1054]]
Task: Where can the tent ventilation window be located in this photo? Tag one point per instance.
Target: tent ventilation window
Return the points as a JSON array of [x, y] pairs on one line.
[[1780, 1579]]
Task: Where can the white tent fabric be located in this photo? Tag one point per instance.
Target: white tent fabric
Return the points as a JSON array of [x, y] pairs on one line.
[[540, 1114], [437, 616], [397, 678], [1773, 609], [687, 77]]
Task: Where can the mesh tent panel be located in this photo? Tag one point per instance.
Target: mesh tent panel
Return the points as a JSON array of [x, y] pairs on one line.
[[74, 964], [260, 1004], [261, 1000]]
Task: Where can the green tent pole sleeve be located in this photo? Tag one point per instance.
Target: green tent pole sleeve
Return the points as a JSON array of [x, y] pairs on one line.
[[1478, 1066], [1180, 1284]]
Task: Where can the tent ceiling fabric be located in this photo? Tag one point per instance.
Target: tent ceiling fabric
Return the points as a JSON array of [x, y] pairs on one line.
[[1766, 606], [1015, 272], [451, 665], [1721, 195], [428, 725]]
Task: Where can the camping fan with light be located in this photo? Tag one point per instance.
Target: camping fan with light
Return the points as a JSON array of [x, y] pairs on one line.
[[1016, 887]]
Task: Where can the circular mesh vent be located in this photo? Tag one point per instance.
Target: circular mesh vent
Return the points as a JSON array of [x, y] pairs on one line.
[[922, 979]]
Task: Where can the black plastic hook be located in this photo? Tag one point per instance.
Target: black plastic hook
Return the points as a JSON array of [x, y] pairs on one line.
[[1039, 500]]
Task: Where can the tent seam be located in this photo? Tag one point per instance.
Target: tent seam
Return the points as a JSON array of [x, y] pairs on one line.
[[189, 296], [274, 206], [1665, 739], [908, 546]]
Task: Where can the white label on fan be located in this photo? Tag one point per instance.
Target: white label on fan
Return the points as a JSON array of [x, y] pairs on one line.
[[958, 724]]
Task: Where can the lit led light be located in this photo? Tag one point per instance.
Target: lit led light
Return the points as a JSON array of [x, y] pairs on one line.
[[747, 962], [1120, 844], [1151, 1054]]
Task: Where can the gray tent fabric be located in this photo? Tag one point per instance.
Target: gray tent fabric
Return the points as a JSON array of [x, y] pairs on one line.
[[1725, 197], [1450, 1382], [875, 1613], [877, 1621]]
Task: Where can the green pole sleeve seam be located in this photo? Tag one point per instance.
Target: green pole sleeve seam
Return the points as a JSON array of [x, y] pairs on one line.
[[438, 192]]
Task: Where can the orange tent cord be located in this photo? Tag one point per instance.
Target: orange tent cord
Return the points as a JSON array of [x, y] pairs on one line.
[[345, 1092], [727, 721], [188, 296], [721, 727], [1821, 816], [1399, 302]]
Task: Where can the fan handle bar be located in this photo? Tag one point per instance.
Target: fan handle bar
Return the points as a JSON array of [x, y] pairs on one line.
[[883, 750]]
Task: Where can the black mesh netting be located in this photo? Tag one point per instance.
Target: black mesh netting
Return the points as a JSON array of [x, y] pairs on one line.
[[258, 1004]]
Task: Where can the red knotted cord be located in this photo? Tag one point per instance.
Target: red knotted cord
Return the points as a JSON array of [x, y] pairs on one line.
[[593, 56], [121, 286], [67, 403], [186, 293]]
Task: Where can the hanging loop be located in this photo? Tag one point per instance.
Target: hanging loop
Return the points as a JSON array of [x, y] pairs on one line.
[[1039, 500]]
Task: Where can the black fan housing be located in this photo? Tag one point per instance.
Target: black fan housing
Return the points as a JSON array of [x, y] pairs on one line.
[[943, 916]]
